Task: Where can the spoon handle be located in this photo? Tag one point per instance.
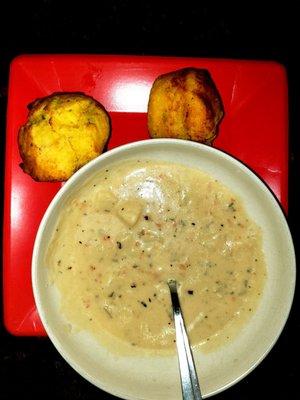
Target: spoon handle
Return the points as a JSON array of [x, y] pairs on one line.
[[189, 380]]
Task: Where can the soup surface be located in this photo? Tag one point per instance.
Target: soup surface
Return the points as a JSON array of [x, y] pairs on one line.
[[134, 226]]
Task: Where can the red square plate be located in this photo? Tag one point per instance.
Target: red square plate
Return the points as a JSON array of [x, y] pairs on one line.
[[254, 129]]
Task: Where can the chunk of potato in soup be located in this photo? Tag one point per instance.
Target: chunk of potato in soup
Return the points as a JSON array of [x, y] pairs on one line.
[[136, 225]]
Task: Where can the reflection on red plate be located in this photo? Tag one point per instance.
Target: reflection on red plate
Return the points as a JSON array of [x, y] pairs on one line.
[[254, 129]]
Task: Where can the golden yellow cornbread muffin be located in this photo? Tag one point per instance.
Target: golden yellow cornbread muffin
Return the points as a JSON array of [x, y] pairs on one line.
[[185, 104], [62, 133]]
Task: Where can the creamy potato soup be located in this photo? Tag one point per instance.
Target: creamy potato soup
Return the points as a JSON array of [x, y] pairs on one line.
[[136, 225]]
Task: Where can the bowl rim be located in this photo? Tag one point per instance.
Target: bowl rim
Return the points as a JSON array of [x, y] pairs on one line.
[[115, 151]]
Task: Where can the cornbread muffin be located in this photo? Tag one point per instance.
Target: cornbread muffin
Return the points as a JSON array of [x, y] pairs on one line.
[[62, 133], [185, 104]]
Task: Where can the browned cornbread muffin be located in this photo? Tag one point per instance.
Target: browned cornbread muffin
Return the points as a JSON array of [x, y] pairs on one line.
[[185, 104]]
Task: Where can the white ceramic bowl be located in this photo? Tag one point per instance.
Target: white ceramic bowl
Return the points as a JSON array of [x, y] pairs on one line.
[[157, 377]]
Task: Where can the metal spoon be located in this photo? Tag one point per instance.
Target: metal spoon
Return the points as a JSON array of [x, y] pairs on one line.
[[188, 374]]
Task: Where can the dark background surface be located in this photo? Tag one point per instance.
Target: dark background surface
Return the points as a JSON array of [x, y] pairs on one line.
[[31, 366]]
